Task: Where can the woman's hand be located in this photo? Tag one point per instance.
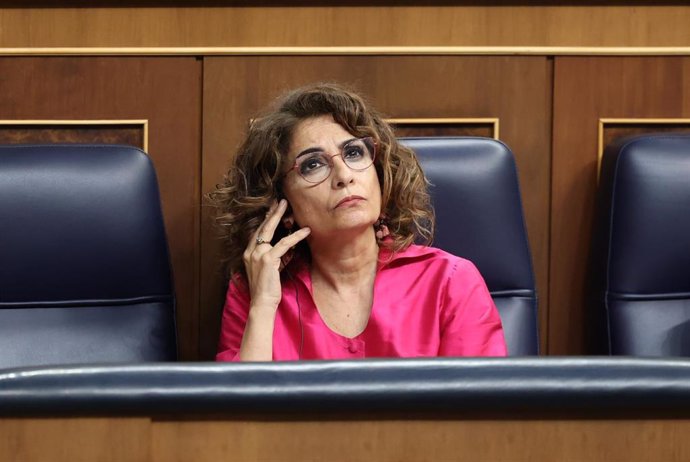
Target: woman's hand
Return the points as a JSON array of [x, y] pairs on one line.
[[262, 261]]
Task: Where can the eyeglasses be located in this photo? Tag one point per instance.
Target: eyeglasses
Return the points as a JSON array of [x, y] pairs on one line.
[[316, 166]]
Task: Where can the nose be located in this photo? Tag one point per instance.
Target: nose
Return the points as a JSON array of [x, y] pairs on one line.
[[342, 175]]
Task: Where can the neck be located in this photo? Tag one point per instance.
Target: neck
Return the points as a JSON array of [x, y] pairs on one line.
[[346, 262]]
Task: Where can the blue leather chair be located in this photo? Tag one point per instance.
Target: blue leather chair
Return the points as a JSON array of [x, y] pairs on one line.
[[84, 267], [645, 229], [479, 216]]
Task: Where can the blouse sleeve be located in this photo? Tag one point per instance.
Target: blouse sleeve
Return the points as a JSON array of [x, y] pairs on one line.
[[470, 324], [235, 313]]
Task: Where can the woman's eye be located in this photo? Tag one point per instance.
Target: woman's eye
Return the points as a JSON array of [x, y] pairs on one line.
[[354, 152], [311, 164]]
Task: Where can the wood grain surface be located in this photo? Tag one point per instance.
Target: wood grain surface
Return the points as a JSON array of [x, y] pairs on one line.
[[304, 24], [145, 439]]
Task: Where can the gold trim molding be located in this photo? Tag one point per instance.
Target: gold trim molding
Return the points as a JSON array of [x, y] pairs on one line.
[[368, 50], [630, 121], [51, 122], [450, 121]]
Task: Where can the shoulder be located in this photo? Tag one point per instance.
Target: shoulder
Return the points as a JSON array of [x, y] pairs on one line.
[[430, 261], [427, 256]]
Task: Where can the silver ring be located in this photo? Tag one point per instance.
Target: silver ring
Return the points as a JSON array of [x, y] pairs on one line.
[[260, 240]]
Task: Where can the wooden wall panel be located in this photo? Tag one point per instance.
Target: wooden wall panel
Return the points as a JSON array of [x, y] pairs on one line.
[[517, 90], [164, 91], [37, 132], [450, 127], [586, 90], [262, 438], [464, 24]]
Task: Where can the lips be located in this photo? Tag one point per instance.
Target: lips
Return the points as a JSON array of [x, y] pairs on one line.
[[349, 200]]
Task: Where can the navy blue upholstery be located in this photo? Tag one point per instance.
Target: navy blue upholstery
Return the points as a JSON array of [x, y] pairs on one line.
[[84, 266], [437, 385], [478, 209], [645, 194]]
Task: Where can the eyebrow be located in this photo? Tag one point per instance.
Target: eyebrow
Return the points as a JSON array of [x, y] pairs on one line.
[[310, 150]]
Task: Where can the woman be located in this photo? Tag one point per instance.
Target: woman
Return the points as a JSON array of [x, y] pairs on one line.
[[320, 213]]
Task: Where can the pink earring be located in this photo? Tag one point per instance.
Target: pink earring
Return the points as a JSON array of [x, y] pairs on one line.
[[288, 224], [381, 228]]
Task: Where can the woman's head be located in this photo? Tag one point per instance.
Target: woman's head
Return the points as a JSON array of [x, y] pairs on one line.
[[330, 182], [322, 119]]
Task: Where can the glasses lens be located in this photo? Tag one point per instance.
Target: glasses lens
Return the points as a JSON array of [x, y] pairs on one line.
[[359, 154], [314, 167]]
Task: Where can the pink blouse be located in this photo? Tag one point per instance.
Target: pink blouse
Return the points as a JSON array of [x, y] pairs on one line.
[[426, 303]]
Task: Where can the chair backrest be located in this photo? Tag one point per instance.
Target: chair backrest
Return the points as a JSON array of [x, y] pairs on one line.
[[84, 265], [479, 216], [645, 198]]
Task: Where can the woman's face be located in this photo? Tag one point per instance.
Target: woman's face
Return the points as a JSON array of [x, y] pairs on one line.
[[346, 201]]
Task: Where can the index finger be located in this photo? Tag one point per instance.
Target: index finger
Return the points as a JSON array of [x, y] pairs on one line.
[[290, 241], [270, 223]]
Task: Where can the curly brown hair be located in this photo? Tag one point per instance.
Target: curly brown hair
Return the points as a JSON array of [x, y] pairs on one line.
[[254, 179]]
